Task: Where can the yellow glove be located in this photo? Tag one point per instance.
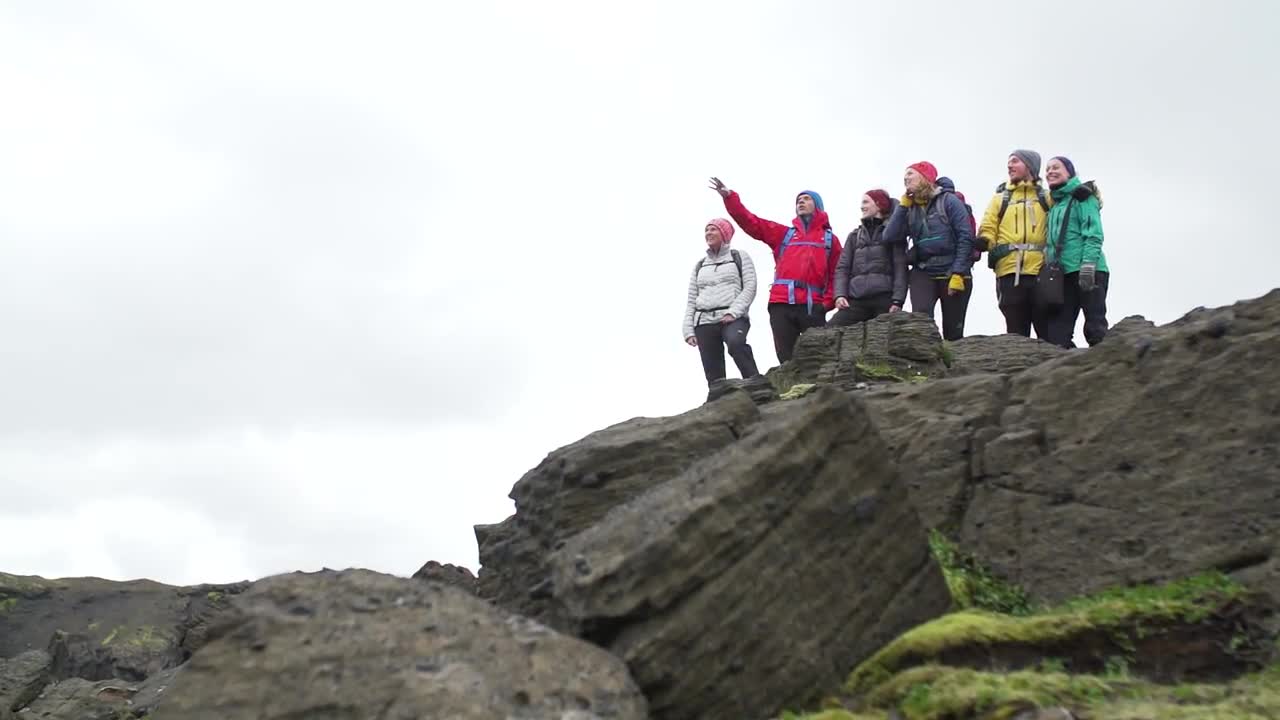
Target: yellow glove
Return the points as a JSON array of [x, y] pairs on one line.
[[957, 283], [906, 201]]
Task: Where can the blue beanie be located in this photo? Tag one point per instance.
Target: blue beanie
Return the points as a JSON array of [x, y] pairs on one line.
[[1066, 163], [817, 199]]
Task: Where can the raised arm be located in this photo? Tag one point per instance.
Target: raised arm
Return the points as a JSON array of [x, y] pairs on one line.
[[742, 303], [766, 231]]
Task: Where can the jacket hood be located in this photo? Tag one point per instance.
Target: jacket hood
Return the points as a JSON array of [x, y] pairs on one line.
[[817, 219], [1062, 191]]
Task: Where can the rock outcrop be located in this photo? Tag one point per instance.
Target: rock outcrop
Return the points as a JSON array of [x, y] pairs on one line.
[[358, 644], [749, 580], [22, 678], [454, 575], [575, 486], [100, 629]]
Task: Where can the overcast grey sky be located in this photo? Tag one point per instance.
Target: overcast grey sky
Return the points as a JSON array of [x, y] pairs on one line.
[[286, 285]]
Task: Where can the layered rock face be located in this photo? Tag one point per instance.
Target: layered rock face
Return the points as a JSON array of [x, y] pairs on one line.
[[891, 525]]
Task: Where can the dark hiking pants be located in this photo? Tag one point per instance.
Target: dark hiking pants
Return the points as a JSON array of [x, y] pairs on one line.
[[788, 321], [863, 309], [1062, 324], [713, 338], [1019, 306], [927, 291]]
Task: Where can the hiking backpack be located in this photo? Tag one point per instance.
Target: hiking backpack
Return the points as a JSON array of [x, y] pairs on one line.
[[737, 260]]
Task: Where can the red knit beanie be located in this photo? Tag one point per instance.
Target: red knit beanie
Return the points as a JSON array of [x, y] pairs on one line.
[[926, 169], [881, 199], [724, 226]]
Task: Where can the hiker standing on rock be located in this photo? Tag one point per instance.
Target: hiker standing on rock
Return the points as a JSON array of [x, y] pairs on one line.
[[805, 256], [721, 289], [1075, 228], [871, 276], [942, 243], [1013, 234]]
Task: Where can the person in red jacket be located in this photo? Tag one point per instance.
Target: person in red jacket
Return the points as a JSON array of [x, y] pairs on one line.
[[805, 254]]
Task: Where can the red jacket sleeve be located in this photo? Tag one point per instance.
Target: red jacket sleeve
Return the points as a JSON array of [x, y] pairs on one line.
[[766, 231]]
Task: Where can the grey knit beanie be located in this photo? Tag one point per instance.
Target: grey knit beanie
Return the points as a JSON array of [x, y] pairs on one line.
[[1031, 159]]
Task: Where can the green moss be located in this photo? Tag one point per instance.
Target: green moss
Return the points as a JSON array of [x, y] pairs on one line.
[[798, 390], [7, 603], [971, 584], [878, 371], [1119, 612], [946, 354], [215, 597], [144, 637]]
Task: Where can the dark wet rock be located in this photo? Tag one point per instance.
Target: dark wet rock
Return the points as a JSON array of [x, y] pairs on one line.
[[358, 644], [745, 583]]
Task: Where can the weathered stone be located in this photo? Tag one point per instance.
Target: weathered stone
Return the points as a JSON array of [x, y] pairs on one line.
[[935, 431], [22, 678], [764, 572], [901, 347], [578, 484], [454, 575], [102, 629], [80, 699], [1148, 457], [358, 644], [758, 387], [999, 354]]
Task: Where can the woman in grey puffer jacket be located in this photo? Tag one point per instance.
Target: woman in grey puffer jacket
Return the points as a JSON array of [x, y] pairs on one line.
[[721, 289], [871, 277]]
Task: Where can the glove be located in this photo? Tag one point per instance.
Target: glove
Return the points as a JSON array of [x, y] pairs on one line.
[[957, 282], [906, 201], [1087, 277]]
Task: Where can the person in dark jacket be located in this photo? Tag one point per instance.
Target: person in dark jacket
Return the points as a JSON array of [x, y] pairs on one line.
[[941, 250], [871, 277]]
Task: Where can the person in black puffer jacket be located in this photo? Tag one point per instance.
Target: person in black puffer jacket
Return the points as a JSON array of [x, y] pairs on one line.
[[871, 277]]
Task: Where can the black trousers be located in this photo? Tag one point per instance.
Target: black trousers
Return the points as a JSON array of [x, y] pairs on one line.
[[1062, 324], [788, 321], [863, 309], [713, 338], [927, 291], [1019, 306]]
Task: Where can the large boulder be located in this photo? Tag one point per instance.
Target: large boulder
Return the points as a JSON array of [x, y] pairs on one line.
[[576, 485], [998, 354], [80, 699], [454, 575], [760, 575], [22, 678], [1150, 457], [99, 629], [902, 347], [358, 644]]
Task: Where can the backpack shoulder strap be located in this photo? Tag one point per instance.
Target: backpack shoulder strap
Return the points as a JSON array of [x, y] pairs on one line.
[[737, 260], [698, 268], [1042, 196], [1005, 196]]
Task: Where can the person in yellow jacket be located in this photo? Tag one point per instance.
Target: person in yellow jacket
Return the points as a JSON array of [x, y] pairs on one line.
[[1013, 235]]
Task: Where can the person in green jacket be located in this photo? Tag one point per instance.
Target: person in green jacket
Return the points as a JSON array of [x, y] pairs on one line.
[[1076, 245]]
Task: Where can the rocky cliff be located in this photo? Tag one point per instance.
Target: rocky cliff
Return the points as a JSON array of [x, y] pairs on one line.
[[888, 527]]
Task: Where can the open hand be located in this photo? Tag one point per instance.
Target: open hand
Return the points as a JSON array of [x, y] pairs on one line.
[[719, 187]]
